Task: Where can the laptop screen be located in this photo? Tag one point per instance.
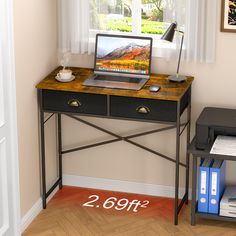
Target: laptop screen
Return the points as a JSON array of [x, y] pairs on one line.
[[118, 54]]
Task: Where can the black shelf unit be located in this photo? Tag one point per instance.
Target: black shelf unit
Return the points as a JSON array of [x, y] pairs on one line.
[[197, 154], [214, 217]]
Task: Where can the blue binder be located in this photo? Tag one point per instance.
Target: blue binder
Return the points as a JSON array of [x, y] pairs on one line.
[[203, 185], [217, 185]]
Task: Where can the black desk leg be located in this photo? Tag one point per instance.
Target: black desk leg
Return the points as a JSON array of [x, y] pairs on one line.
[[194, 186], [177, 164], [59, 148], [187, 154], [42, 137]]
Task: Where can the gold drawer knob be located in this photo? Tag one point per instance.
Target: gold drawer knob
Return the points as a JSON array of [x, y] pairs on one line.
[[143, 110], [74, 103]]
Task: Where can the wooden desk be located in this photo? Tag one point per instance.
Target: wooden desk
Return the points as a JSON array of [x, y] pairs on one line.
[[73, 99]]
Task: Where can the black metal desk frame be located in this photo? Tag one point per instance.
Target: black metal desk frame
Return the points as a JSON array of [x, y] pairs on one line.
[[170, 125], [197, 155]]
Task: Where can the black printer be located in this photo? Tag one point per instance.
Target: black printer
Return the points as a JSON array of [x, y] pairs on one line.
[[212, 122]]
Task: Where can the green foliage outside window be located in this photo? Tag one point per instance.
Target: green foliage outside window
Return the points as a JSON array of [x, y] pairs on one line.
[[125, 25], [103, 16]]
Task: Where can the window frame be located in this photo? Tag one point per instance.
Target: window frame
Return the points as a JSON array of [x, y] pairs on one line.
[[136, 22], [136, 30]]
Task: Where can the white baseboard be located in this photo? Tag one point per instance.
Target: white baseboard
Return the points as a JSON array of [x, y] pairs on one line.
[[122, 186], [103, 184], [34, 211]]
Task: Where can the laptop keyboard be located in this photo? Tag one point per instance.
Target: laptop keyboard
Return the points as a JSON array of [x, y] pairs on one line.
[[117, 79]]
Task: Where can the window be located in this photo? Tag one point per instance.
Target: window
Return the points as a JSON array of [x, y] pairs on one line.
[[128, 16], [80, 20]]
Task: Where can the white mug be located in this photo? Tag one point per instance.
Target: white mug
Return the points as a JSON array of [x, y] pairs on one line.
[[65, 74]]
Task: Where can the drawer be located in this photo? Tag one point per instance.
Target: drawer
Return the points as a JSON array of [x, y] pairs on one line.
[[63, 101], [141, 108]]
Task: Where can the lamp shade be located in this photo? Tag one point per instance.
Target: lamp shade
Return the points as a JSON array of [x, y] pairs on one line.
[[170, 32]]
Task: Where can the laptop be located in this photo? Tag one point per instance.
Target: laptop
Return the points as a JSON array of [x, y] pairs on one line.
[[122, 62]]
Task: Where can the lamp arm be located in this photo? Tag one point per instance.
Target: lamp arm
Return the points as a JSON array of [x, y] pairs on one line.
[[179, 31], [180, 52]]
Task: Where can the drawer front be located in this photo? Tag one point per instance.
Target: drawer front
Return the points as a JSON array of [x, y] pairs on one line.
[[74, 102], [139, 108]]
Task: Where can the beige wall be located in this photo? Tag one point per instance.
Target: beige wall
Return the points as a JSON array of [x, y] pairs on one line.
[[36, 55], [214, 85]]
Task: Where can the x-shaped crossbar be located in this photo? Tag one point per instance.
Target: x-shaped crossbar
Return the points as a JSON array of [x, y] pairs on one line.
[[124, 138]]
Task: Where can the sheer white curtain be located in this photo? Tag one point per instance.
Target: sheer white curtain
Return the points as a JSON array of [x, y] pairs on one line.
[[73, 22], [197, 18], [201, 29]]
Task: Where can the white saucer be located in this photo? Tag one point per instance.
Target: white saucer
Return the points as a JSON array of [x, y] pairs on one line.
[[65, 80]]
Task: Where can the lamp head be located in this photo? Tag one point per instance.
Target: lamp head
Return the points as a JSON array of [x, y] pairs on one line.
[[170, 32]]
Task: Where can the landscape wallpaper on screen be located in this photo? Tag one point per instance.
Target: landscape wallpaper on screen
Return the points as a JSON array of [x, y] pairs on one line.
[[123, 55]]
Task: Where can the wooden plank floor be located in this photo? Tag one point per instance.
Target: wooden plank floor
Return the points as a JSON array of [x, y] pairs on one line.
[[66, 215]]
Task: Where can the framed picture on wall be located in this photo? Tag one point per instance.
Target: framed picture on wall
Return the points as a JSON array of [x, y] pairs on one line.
[[228, 16]]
